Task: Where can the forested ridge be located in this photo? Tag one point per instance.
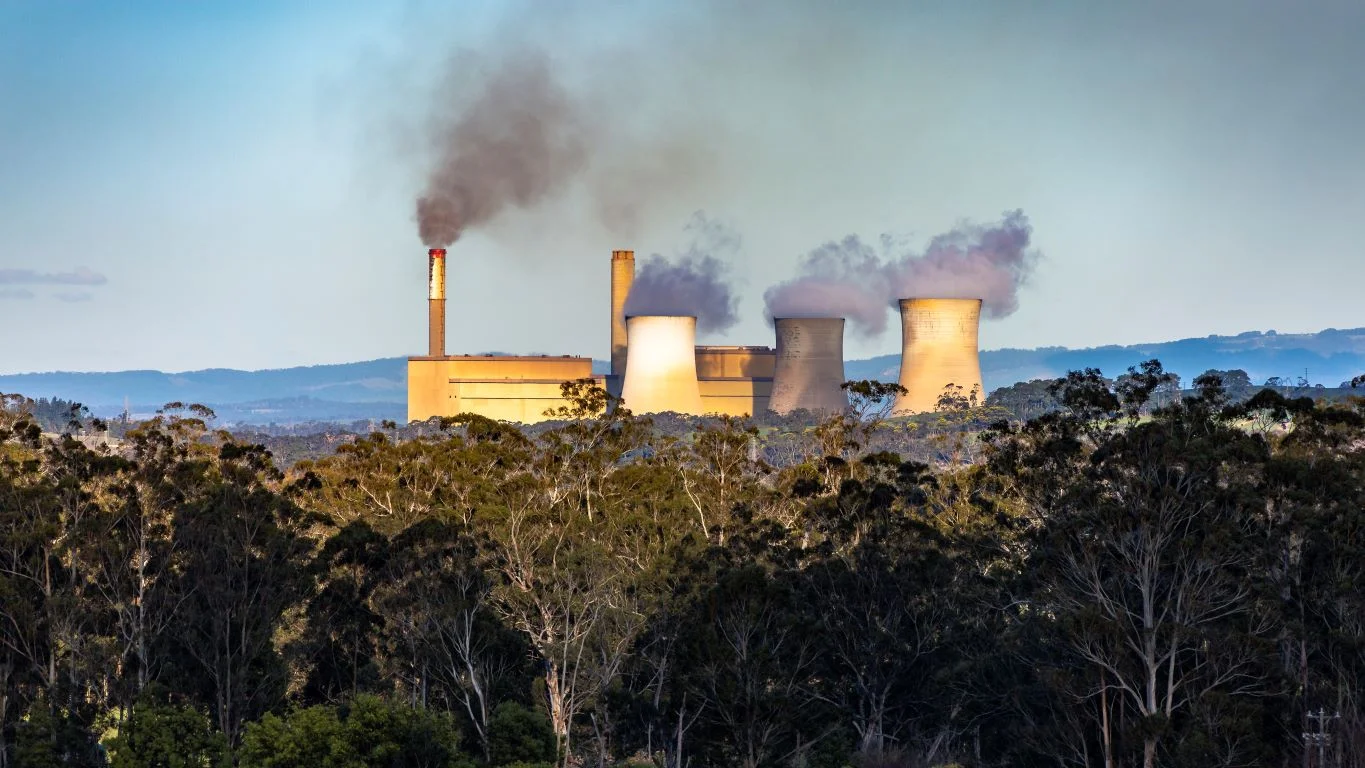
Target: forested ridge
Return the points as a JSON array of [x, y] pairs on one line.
[[1130, 577]]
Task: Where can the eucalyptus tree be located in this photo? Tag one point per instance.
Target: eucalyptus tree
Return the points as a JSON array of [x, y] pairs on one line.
[[442, 638], [1315, 513], [240, 551], [1146, 555], [568, 550]]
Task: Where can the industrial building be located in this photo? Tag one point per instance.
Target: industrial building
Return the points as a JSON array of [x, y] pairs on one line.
[[731, 380], [502, 387], [656, 365]]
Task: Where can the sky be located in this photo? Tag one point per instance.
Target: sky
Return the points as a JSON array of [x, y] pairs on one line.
[[232, 184]]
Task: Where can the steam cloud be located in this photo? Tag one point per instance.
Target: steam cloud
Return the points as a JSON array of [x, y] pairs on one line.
[[844, 279], [78, 276], [521, 139], [971, 261], [850, 279], [694, 284]]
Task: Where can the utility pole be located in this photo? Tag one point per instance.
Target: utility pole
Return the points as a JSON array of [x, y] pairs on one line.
[[1321, 738]]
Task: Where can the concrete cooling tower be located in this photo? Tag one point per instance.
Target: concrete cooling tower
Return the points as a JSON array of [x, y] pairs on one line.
[[810, 365], [661, 365], [939, 347]]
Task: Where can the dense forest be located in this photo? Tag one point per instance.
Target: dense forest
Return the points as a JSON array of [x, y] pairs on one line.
[[1127, 573]]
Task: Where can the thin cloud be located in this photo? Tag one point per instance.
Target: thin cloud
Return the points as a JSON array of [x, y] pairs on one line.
[[78, 276], [73, 297], [17, 294]]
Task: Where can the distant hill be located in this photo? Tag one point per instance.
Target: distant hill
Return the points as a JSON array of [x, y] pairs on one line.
[[1329, 357], [377, 389]]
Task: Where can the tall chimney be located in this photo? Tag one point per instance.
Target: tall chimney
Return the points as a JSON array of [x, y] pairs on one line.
[[622, 275], [661, 369], [809, 369], [436, 302], [939, 347]]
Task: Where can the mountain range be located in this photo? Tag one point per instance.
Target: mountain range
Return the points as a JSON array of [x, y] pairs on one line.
[[376, 389]]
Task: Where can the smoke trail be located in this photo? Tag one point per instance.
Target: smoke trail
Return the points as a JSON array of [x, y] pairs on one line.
[[521, 139], [843, 279], [852, 280], [971, 261], [694, 284]]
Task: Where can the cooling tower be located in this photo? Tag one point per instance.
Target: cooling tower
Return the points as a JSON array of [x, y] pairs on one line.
[[436, 302], [938, 339], [810, 365], [661, 367], [622, 275]]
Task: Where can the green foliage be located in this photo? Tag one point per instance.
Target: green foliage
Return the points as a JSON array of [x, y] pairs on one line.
[[1117, 572], [48, 739], [163, 735], [518, 736], [368, 732], [1025, 400]]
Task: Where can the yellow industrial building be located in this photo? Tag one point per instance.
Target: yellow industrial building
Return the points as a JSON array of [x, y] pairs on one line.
[[517, 389], [499, 387], [735, 381], [732, 380]]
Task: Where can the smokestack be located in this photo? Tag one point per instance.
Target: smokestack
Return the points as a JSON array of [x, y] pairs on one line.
[[622, 275], [810, 365], [939, 347], [661, 367], [436, 302]]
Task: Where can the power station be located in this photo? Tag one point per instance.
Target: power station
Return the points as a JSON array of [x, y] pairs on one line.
[[656, 365]]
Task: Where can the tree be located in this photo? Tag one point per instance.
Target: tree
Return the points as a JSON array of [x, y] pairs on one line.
[[1236, 382], [719, 469], [443, 639], [160, 734], [366, 732], [240, 555], [519, 735], [341, 641], [132, 557], [747, 659], [1315, 513], [566, 564], [1144, 557], [1025, 400], [52, 649]]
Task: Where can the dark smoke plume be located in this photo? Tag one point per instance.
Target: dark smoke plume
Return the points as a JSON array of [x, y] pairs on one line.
[[970, 262], [521, 139], [850, 279], [694, 284]]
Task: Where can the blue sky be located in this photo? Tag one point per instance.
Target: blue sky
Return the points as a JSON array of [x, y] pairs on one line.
[[242, 174]]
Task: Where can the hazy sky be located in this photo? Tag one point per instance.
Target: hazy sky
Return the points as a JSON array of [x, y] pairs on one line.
[[231, 184]]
